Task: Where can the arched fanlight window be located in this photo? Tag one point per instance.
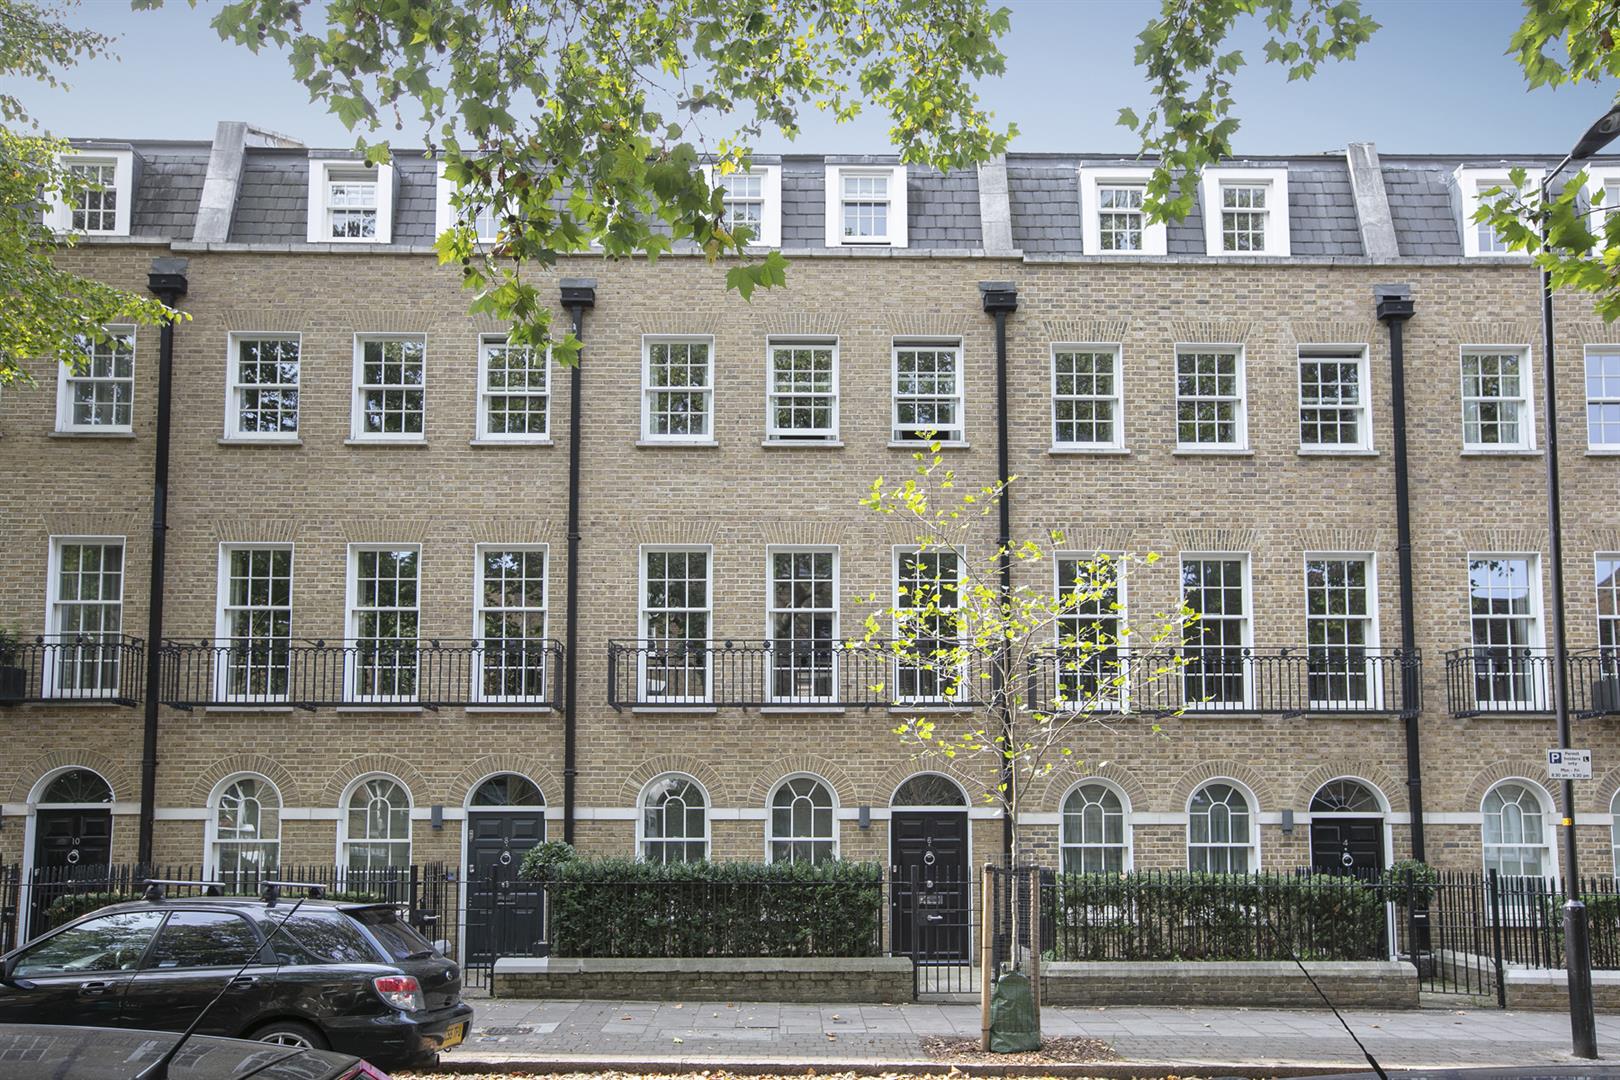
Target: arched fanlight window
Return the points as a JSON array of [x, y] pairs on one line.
[[1345, 796], [929, 789], [377, 820], [802, 826], [77, 786], [508, 789], [1514, 833], [1094, 831], [247, 832], [674, 820], [1220, 831]]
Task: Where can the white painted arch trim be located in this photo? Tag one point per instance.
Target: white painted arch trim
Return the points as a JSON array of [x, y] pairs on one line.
[[1246, 791], [343, 812], [641, 799]]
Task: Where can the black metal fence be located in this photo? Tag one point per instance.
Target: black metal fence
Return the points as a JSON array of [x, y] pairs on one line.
[[107, 668], [1519, 680], [314, 674]]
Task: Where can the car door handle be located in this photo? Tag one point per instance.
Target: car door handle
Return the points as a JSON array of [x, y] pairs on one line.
[[95, 988], [244, 981]]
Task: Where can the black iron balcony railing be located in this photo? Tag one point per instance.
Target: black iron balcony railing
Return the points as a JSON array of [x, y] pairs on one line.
[[758, 674], [1519, 680], [107, 668], [314, 674], [1293, 681]]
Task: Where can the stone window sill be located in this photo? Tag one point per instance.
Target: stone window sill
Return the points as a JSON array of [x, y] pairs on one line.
[[1517, 452], [693, 710], [805, 444], [676, 444], [1088, 451], [1213, 451], [918, 444], [237, 440], [801, 710], [1324, 451], [384, 442], [511, 710], [400, 709], [92, 434], [510, 442], [247, 708]]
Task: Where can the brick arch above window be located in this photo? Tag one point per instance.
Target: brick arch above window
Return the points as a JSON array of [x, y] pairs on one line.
[[885, 784], [720, 793], [1607, 787], [769, 778], [120, 779], [292, 792], [542, 773], [344, 776], [1060, 782], [1496, 772], [1369, 772], [1199, 774]]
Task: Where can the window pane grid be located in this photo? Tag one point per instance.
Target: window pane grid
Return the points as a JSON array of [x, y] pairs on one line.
[[265, 378], [801, 822], [515, 397], [803, 397], [379, 827], [392, 373], [1332, 411], [1338, 631], [351, 209], [101, 391], [678, 389], [1603, 400], [927, 392], [804, 625], [743, 202], [95, 207], [512, 624], [1086, 397], [386, 623], [1505, 626], [1093, 831], [1119, 216], [1209, 398], [674, 822], [1493, 395], [675, 626], [1215, 670], [1608, 605], [1243, 217], [865, 204], [88, 617], [247, 833], [928, 580], [1219, 831], [257, 611], [1514, 834], [1090, 649]]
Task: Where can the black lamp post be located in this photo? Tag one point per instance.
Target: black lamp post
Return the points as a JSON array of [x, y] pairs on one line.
[[1577, 955]]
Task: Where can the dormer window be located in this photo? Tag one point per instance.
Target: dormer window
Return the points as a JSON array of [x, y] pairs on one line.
[[350, 202], [866, 206], [1246, 212], [1112, 218], [1478, 237], [486, 222], [103, 183], [752, 199]]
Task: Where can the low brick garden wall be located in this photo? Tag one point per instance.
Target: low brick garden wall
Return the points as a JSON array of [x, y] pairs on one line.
[[878, 979], [1259, 984], [1549, 989]]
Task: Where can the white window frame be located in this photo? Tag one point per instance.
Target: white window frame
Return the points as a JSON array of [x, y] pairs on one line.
[[1526, 399], [1532, 676], [351, 625], [1549, 818], [1278, 240], [770, 206], [211, 839], [1611, 648], [59, 215], [53, 628], [1242, 398], [1245, 644], [1470, 181], [321, 177], [1254, 823], [1613, 352], [771, 837], [1605, 179], [771, 611], [941, 677], [955, 436], [480, 609], [1117, 442], [487, 343], [648, 390], [643, 612], [642, 839], [1121, 596], [445, 216], [66, 379], [799, 436], [1065, 845], [234, 388], [222, 621], [358, 388], [344, 839], [1338, 353], [896, 217], [1092, 179], [1374, 674]]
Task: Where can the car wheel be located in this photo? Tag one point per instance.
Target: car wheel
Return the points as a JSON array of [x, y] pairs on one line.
[[291, 1033]]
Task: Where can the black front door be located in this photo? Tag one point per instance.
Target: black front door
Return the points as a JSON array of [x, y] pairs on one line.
[[505, 915], [1347, 845], [72, 851], [930, 886]]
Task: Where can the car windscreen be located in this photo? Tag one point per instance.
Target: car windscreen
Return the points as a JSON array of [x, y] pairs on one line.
[[397, 939], [322, 939]]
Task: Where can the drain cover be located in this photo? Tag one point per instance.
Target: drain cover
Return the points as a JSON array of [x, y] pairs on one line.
[[518, 1030]]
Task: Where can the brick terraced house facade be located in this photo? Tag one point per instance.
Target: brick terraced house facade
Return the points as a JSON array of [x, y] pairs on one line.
[[366, 571]]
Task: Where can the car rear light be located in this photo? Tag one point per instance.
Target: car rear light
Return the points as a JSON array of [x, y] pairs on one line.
[[400, 991], [364, 1071]]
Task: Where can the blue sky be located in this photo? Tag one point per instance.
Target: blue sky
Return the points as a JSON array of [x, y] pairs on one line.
[[1434, 80]]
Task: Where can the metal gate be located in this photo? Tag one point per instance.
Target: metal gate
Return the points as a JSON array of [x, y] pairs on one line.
[[506, 916], [932, 923], [1452, 930]]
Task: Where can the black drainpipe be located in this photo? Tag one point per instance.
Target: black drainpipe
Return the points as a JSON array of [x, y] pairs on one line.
[[1394, 303], [1000, 300], [167, 281], [577, 295]]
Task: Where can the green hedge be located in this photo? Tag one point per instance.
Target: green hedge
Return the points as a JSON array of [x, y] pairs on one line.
[[619, 907], [1188, 916]]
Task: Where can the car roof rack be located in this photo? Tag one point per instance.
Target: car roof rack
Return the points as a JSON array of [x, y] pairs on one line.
[[270, 891], [155, 887]]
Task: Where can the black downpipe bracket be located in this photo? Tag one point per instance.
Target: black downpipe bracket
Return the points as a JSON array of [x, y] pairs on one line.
[[167, 281], [578, 294], [1394, 305], [1000, 300]]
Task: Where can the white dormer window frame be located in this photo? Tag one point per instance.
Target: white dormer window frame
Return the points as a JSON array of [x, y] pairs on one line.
[[60, 215], [1471, 181], [1095, 183], [1272, 183], [891, 194], [769, 233], [327, 179], [445, 215], [1605, 179]]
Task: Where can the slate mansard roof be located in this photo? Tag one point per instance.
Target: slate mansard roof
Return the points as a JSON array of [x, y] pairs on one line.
[[943, 209]]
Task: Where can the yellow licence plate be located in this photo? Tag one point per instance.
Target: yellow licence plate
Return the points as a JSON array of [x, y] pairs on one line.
[[454, 1036]]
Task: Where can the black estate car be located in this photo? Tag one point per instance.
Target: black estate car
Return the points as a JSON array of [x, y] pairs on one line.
[[41, 1052], [348, 977]]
